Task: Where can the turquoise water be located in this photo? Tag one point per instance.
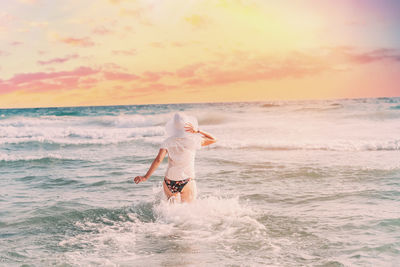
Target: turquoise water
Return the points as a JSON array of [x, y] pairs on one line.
[[295, 183]]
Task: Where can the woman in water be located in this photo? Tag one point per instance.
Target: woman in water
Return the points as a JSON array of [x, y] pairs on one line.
[[184, 138]]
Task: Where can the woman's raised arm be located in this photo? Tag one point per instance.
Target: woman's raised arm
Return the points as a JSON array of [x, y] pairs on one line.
[[208, 139]]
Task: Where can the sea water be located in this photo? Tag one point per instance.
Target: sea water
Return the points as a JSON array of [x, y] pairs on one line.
[[289, 183]]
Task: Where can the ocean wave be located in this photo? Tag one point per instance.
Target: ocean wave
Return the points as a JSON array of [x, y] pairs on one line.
[[122, 121], [39, 158], [388, 99], [321, 108], [212, 118], [61, 113], [63, 142], [305, 106], [270, 105], [70, 135], [395, 107], [128, 121], [380, 115], [338, 146]]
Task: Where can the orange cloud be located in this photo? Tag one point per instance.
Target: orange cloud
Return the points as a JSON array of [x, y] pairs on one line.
[[129, 52], [83, 42], [57, 60], [239, 66], [101, 30], [157, 45], [246, 67]]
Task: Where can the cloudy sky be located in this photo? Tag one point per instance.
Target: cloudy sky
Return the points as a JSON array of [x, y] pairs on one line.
[[110, 52]]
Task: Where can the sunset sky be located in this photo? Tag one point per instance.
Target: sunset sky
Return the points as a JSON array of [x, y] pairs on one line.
[[116, 52]]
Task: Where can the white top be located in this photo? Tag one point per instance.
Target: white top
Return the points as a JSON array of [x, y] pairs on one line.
[[181, 154]]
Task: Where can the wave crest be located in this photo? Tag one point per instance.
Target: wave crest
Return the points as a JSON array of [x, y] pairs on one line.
[[334, 146]]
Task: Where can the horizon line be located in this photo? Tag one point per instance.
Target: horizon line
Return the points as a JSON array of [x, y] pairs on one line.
[[217, 102]]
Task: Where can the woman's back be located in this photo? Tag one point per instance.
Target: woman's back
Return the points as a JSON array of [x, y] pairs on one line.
[[181, 154]]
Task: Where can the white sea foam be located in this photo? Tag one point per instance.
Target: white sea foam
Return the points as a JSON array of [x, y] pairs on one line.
[[333, 145], [196, 224], [18, 157], [238, 131]]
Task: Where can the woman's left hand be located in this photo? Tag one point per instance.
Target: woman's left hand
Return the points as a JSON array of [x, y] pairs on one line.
[[189, 128], [139, 179]]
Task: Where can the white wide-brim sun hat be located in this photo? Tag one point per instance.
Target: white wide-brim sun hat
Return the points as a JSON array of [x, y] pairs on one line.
[[176, 126]]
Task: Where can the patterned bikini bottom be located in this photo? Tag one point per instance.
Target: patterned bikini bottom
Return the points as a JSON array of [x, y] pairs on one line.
[[176, 186]]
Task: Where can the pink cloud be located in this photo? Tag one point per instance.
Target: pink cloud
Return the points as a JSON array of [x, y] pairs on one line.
[[83, 42], [195, 81], [189, 70], [5, 87], [16, 43], [101, 30], [29, 77], [71, 82], [119, 76], [89, 80], [353, 55], [57, 60], [110, 66], [151, 76], [254, 71], [129, 52], [44, 86], [240, 66], [44, 81]]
